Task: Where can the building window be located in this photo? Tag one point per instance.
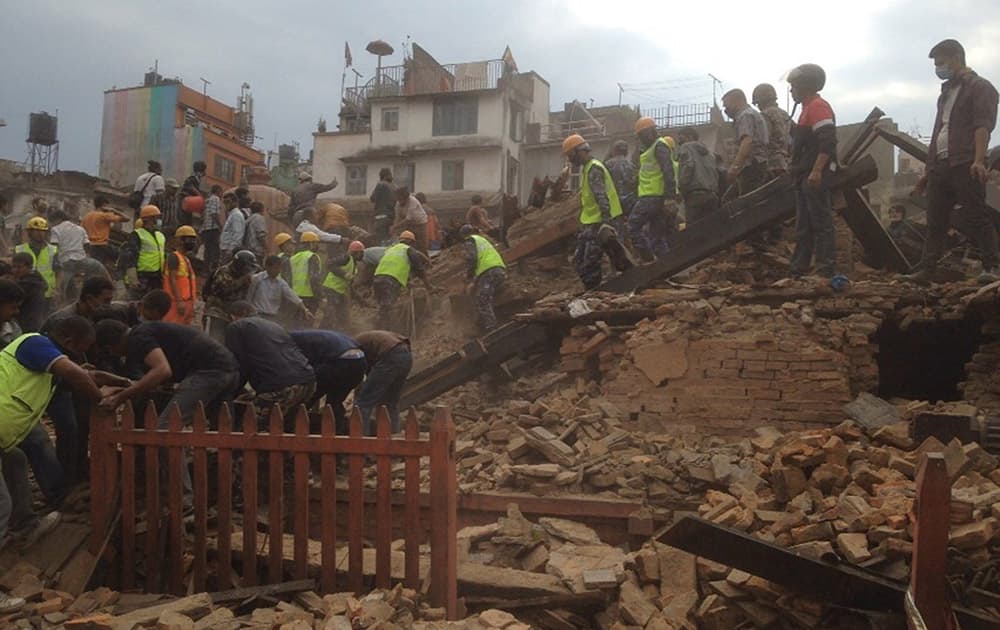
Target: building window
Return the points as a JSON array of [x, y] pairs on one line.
[[244, 173], [357, 180], [404, 174], [225, 169], [512, 168], [516, 123], [455, 116], [390, 119], [452, 175]]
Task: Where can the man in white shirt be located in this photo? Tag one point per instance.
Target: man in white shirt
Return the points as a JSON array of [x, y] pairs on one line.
[[71, 240], [157, 185], [307, 225], [234, 231], [410, 215]]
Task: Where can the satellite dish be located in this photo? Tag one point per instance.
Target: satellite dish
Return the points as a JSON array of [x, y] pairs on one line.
[[380, 48]]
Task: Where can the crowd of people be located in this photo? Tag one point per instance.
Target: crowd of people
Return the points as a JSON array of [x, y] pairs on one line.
[[638, 201], [198, 304]]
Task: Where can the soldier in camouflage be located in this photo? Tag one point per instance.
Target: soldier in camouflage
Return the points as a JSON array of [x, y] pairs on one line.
[[625, 175], [779, 125]]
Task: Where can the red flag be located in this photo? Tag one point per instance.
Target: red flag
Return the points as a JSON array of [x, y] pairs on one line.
[[348, 60]]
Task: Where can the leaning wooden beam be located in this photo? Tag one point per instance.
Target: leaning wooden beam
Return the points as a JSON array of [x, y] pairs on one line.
[[881, 250], [837, 584], [282, 588]]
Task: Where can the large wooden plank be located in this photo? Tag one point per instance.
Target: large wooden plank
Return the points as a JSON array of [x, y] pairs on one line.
[[734, 222], [881, 251]]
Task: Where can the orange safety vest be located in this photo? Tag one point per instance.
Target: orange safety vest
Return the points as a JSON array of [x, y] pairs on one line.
[[187, 287]]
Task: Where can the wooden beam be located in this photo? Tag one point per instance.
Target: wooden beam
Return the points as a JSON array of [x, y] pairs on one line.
[[282, 588], [881, 250]]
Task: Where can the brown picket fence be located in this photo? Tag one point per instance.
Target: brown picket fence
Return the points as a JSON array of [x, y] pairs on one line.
[[127, 457]]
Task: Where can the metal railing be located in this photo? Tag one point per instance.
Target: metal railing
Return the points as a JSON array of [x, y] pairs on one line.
[[410, 79], [135, 464], [688, 115]]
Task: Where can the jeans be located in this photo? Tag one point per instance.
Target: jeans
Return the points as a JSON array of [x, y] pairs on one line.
[[45, 464], [384, 386], [17, 514], [211, 388], [814, 229], [62, 413], [947, 187], [211, 240], [648, 228], [335, 379]]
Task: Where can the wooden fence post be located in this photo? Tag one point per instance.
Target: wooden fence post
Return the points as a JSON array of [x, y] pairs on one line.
[[930, 543], [101, 419], [444, 552]]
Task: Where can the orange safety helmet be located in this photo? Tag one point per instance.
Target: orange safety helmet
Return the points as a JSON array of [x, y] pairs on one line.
[[572, 142], [149, 211], [356, 246], [644, 123], [407, 236]]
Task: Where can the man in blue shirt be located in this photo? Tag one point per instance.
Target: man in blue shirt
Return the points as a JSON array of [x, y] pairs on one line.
[[339, 364]]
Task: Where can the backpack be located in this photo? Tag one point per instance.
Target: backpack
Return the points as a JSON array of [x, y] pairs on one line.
[[136, 196]]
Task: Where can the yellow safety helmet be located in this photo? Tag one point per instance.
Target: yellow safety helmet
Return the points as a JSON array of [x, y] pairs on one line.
[[149, 211], [670, 142], [281, 238], [138, 224], [309, 237], [185, 230], [644, 123], [407, 235], [38, 223], [572, 142]]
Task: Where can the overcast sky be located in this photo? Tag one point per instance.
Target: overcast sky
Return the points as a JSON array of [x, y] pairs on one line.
[[62, 54]]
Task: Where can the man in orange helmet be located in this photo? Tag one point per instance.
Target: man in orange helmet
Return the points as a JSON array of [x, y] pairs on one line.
[[600, 208], [179, 280], [649, 224], [338, 286], [143, 253]]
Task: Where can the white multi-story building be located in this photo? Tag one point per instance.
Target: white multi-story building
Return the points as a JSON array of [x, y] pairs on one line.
[[449, 131]]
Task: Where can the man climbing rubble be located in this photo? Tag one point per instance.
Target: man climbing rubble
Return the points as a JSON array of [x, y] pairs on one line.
[[599, 208], [486, 273], [653, 219]]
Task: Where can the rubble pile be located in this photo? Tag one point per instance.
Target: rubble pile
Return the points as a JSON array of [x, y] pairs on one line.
[[105, 609]]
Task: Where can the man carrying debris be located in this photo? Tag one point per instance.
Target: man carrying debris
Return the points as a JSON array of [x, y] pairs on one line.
[[270, 361], [305, 272], [624, 174], [779, 126], [392, 275], [143, 253], [599, 207], [697, 177], [339, 364], [411, 216], [956, 172], [389, 362], [486, 273], [304, 195], [814, 162], [338, 286], [651, 222], [228, 284]]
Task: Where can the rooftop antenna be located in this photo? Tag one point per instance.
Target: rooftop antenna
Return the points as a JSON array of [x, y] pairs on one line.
[[715, 82], [204, 92]]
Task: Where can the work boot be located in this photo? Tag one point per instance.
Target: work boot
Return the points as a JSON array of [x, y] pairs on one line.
[[10, 604], [987, 276]]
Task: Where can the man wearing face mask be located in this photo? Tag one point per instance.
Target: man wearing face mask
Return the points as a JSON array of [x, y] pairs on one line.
[[179, 280], [143, 253], [956, 170]]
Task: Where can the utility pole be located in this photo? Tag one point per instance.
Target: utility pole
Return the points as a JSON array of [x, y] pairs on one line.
[[621, 91], [715, 81], [204, 93]]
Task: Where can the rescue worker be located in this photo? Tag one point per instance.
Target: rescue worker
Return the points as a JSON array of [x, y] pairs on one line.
[[624, 174], [599, 207], [305, 271], [392, 275], [228, 284], [486, 272], [651, 222], [338, 286], [779, 126], [285, 244], [179, 279], [814, 161], [43, 254], [143, 254]]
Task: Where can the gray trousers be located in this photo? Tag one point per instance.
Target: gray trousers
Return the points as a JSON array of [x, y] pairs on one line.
[[15, 493]]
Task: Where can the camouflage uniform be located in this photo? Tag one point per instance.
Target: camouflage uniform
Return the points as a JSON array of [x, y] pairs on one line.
[[488, 284], [624, 174], [648, 225], [589, 254], [779, 125], [386, 292]]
